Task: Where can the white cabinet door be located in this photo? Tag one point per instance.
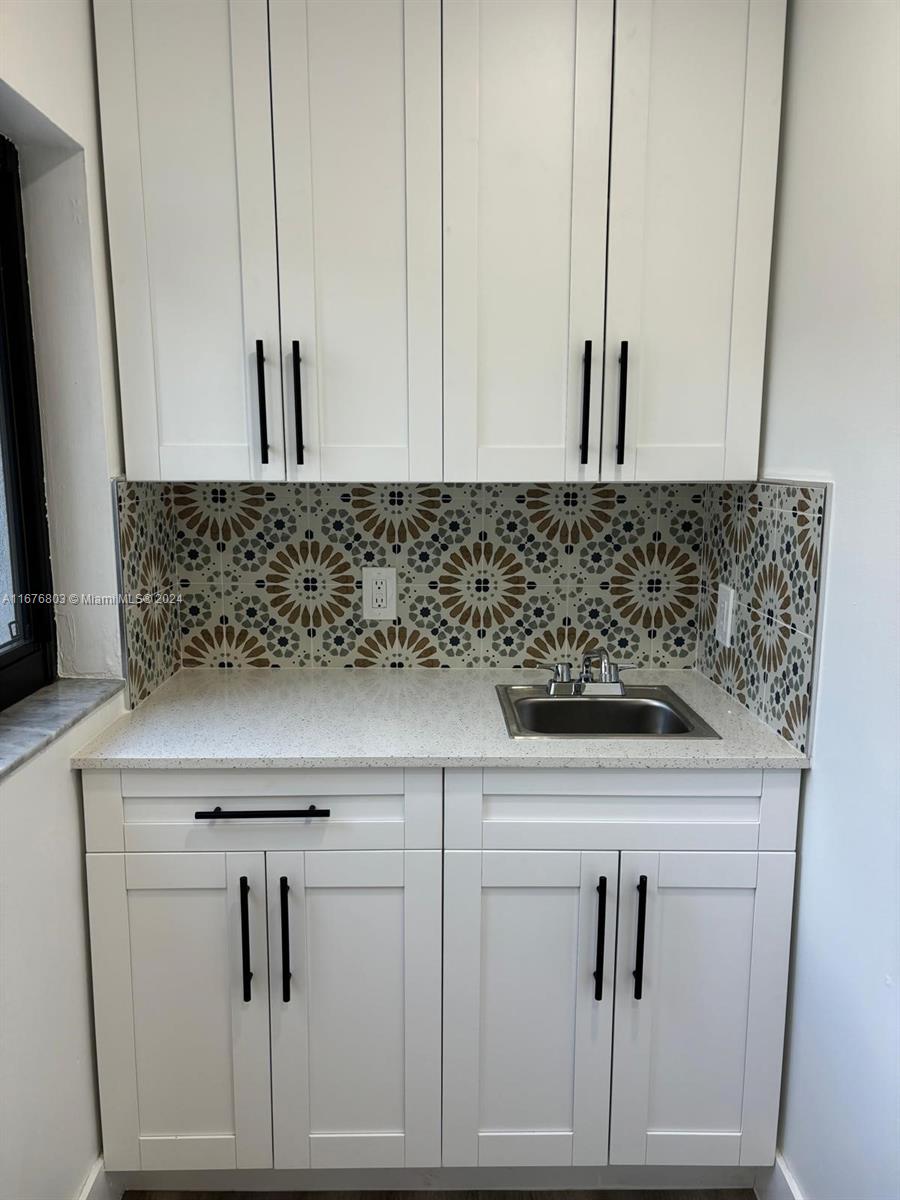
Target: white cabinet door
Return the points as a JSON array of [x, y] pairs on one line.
[[696, 111], [528, 941], [526, 145], [356, 91], [178, 945], [185, 111], [700, 1007], [355, 985]]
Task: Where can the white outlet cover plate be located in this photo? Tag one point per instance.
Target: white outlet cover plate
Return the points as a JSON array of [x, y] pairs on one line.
[[379, 587]]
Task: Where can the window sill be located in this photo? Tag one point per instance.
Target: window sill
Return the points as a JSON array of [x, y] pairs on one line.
[[39, 719]]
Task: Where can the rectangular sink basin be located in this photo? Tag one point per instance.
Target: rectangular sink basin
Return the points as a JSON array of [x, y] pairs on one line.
[[643, 712]]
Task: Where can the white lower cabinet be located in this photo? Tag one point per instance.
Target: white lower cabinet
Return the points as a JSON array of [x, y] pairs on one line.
[[700, 995], [267, 967], [349, 975], [291, 972], [354, 984], [182, 1009], [529, 961], [700, 970]]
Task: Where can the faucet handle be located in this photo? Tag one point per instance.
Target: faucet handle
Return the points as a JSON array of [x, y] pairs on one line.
[[562, 671], [607, 669]]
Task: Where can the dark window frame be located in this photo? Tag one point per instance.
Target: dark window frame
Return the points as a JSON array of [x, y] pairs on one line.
[[30, 662]]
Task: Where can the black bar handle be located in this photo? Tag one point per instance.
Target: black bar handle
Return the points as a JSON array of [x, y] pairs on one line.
[[243, 814], [261, 397], [246, 973], [601, 937], [623, 403], [638, 971], [298, 400], [586, 401], [285, 942]]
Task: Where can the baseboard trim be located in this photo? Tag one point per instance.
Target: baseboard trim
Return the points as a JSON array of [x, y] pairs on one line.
[[99, 1185], [777, 1183], [419, 1179]]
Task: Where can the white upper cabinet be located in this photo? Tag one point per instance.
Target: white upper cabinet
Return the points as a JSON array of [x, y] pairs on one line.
[[356, 91], [696, 109], [526, 152], [192, 173], [184, 100], [478, 240]]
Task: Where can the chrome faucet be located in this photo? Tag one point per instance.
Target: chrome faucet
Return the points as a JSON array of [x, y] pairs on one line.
[[562, 683]]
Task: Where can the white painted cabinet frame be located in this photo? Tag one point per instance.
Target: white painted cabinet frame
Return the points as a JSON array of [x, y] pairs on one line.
[[695, 126], [356, 106], [185, 114], [334, 1058], [600, 809], [319, 323], [697, 1056], [355, 987], [526, 150], [182, 1051], [698, 1047], [195, 1073], [423, 215], [527, 1031]]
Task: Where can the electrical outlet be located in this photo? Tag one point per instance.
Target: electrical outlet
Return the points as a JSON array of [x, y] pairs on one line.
[[379, 593], [725, 615]]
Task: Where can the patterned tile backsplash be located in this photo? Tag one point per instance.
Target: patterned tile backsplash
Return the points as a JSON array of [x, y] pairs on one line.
[[765, 540], [487, 575], [147, 561]]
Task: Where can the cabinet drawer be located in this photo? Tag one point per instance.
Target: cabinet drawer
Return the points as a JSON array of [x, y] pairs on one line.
[[589, 809], [258, 810]]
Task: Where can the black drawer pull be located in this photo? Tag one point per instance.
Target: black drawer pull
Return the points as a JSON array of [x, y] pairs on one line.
[[638, 971], [285, 942], [601, 937], [298, 400], [585, 401], [261, 397], [246, 973], [245, 814], [623, 402]]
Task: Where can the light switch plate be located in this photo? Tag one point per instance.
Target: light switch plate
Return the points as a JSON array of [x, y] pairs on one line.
[[725, 615], [379, 585]]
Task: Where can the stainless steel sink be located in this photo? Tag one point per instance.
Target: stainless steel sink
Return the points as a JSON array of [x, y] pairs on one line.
[[643, 712]]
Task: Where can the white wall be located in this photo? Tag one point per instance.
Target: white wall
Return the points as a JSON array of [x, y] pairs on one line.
[[833, 399], [48, 108], [49, 1129]]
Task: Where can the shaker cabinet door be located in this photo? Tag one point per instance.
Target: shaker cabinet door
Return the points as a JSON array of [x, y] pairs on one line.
[[695, 122], [526, 149], [356, 93], [529, 949], [185, 115], [178, 947], [355, 979], [701, 986]]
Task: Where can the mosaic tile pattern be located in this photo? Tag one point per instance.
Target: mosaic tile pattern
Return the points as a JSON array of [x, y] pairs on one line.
[[487, 575], [765, 540], [151, 615]]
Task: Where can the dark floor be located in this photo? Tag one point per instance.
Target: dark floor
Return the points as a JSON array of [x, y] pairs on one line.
[[718, 1194]]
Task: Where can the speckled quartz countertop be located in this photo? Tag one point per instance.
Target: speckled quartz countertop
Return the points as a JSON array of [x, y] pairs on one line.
[[416, 718]]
